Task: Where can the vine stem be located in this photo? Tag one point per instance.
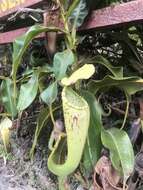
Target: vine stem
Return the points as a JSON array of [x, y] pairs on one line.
[[51, 114], [126, 112], [66, 27]]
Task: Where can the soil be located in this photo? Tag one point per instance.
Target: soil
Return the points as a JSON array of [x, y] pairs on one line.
[[17, 172]]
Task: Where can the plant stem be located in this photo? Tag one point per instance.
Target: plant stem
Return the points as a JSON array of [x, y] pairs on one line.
[[66, 26], [63, 183], [126, 112], [51, 114]]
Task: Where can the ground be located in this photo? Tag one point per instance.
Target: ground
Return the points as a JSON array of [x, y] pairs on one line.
[[17, 172]]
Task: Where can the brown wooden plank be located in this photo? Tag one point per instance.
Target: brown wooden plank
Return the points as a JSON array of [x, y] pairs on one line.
[[108, 17], [8, 37], [124, 13], [9, 6]]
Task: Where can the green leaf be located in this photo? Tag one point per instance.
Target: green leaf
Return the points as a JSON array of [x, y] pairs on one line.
[[93, 144], [131, 85], [50, 94], [121, 150], [7, 97], [28, 92], [21, 44], [78, 15], [85, 72], [61, 62], [116, 71]]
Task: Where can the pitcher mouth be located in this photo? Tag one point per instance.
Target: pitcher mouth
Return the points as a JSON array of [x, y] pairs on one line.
[[70, 97]]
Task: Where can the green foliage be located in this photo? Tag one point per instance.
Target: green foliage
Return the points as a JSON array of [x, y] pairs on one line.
[[77, 14], [121, 150], [84, 135], [28, 92], [92, 152], [131, 85], [116, 71], [5, 155], [61, 63], [21, 44], [50, 94], [7, 97]]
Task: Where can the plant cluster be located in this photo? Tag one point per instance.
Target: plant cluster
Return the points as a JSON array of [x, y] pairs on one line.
[[78, 137]]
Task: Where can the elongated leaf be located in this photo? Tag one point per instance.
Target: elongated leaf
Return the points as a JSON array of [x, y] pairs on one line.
[[116, 71], [93, 144], [78, 15], [121, 150], [28, 92], [7, 97], [5, 126], [21, 43], [85, 72], [50, 94], [61, 62], [131, 85]]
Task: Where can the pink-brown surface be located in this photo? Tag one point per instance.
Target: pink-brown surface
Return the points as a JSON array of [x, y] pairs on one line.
[[116, 15], [112, 16]]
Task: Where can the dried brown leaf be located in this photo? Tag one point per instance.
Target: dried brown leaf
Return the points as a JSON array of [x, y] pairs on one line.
[[105, 176], [139, 164]]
